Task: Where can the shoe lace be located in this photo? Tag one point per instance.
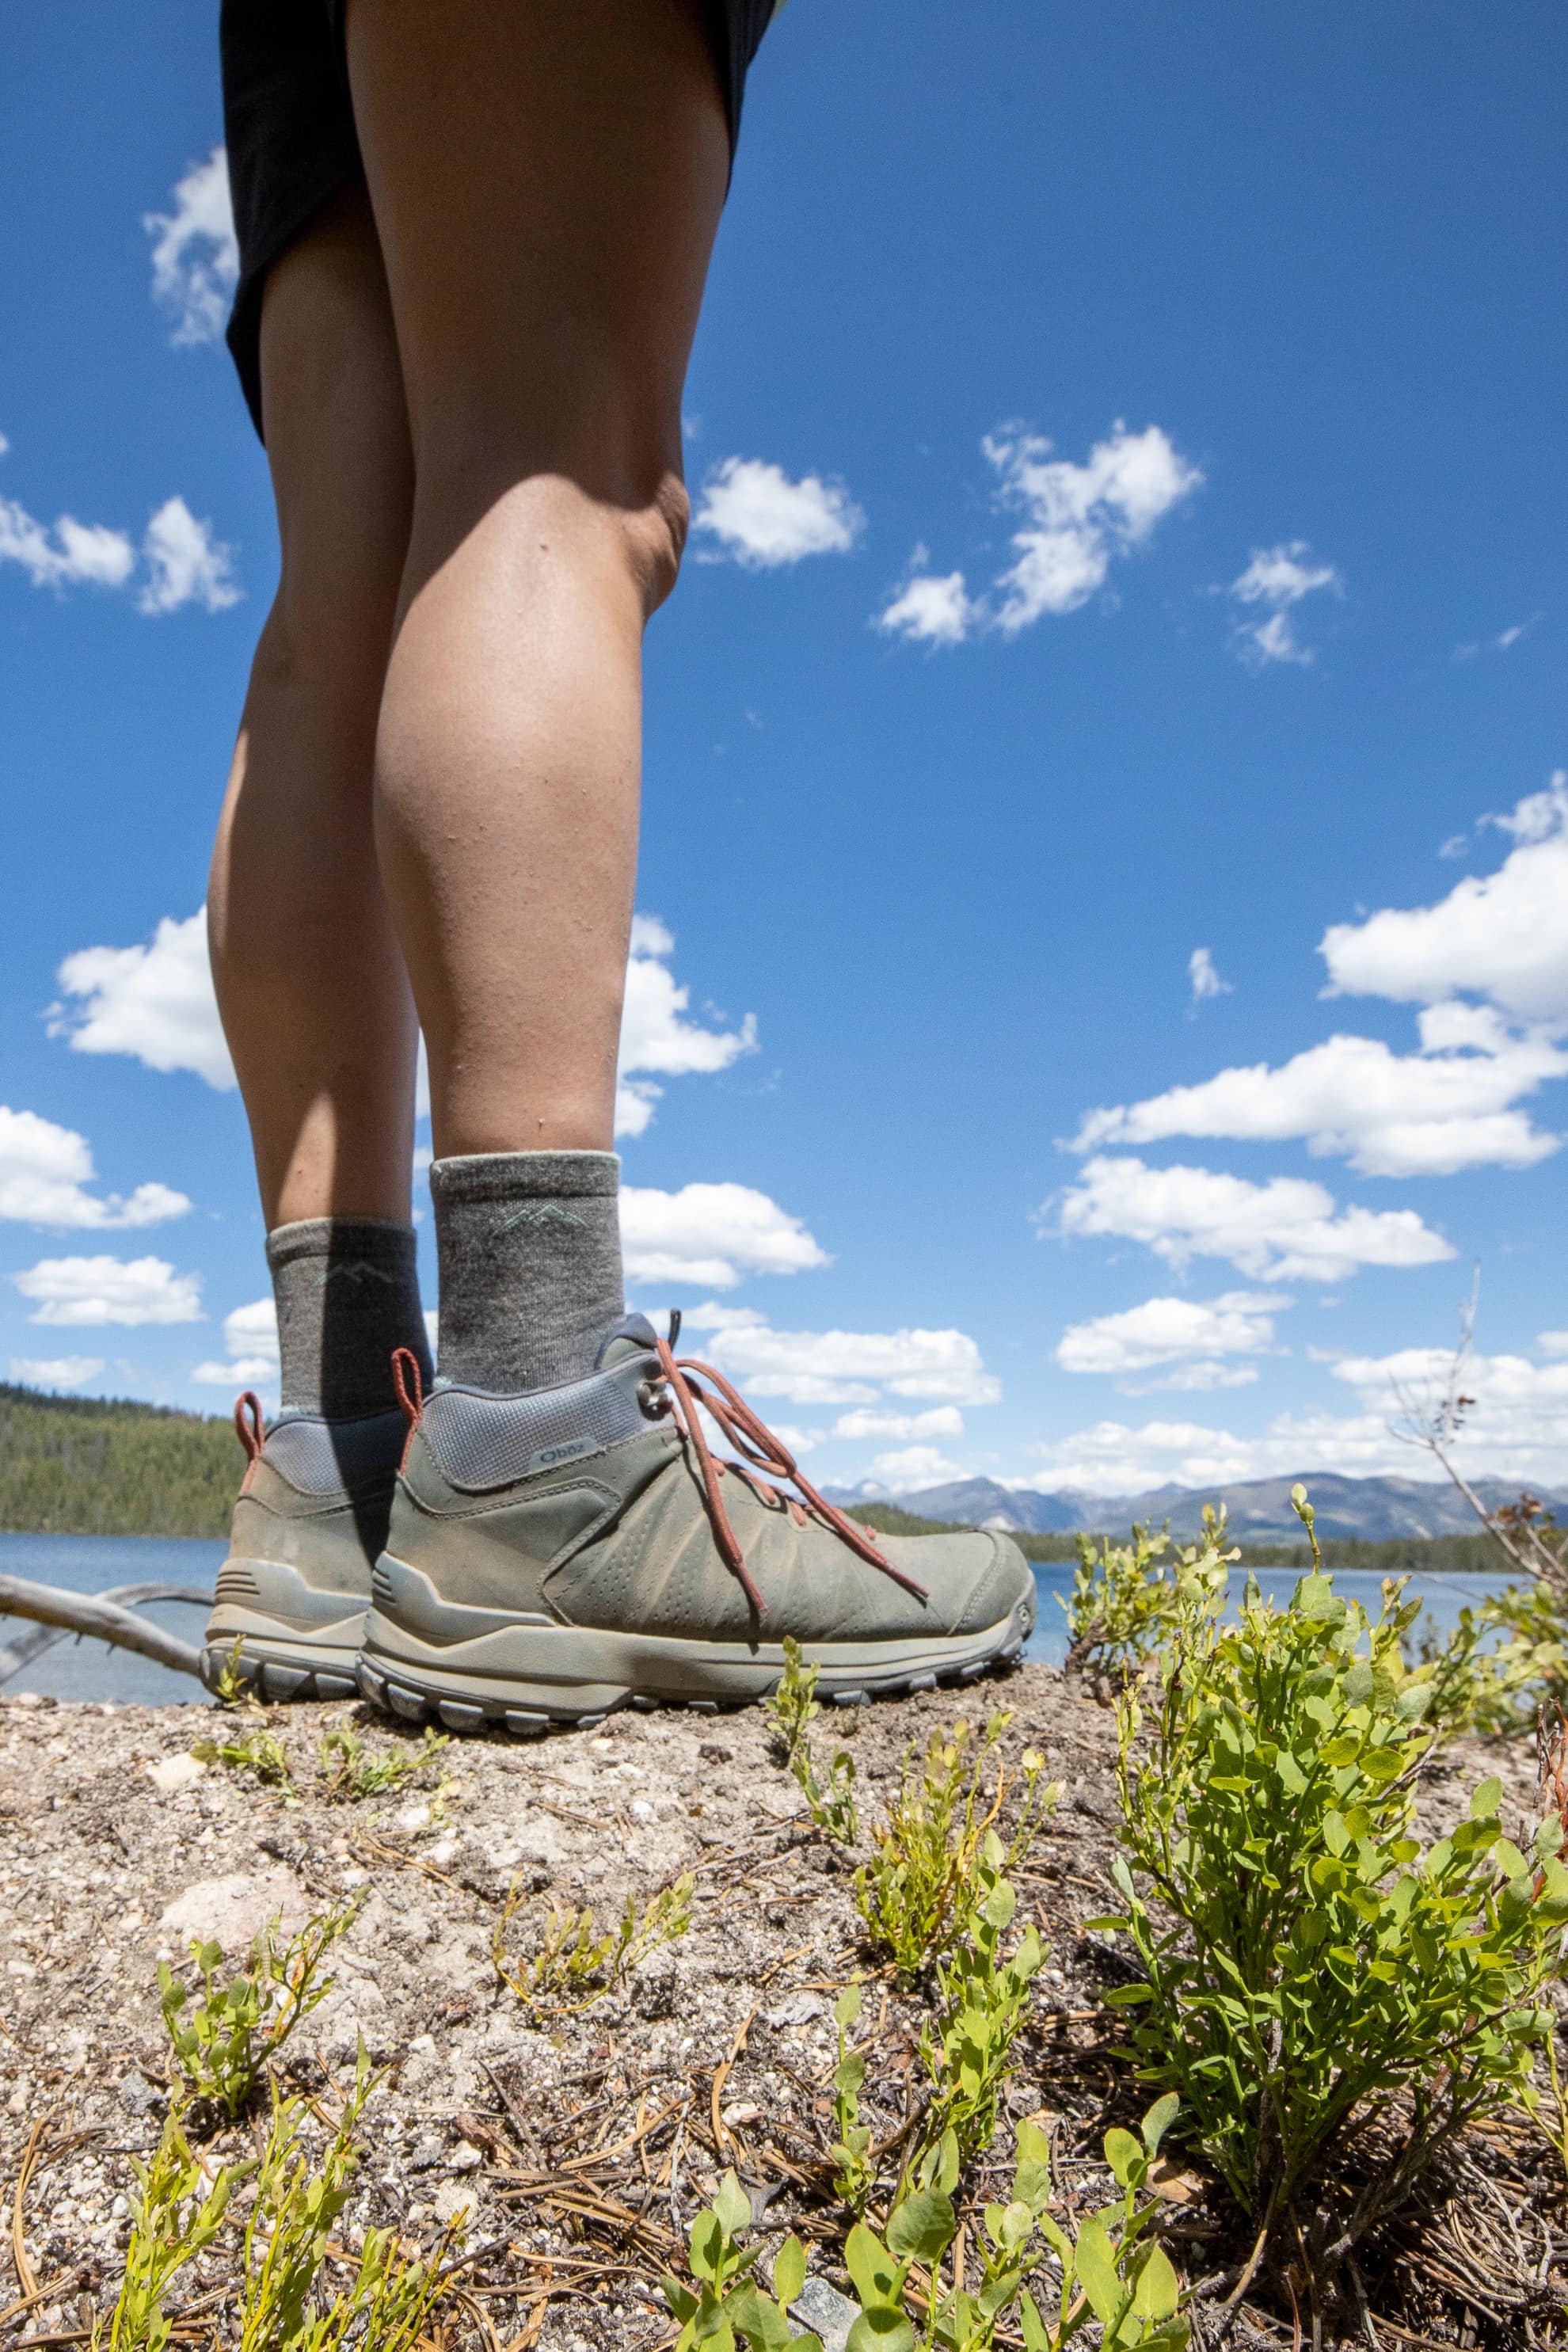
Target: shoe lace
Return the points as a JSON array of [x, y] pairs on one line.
[[689, 1383]]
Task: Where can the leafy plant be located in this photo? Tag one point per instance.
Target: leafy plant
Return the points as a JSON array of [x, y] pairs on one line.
[[235, 1688], [348, 1774], [177, 2210], [792, 1708], [917, 1892], [981, 2003], [224, 2037], [259, 1751], [1127, 1597], [1313, 1972], [574, 1965], [1481, 1685], [855, 2176], [387, 2300], [1111, 2272], [727, 2302]]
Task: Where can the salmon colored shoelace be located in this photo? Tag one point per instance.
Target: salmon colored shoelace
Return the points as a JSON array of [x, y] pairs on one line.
[[690, 1383]]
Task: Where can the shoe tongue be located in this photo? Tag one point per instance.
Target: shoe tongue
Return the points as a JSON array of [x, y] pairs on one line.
[[632, 1336]]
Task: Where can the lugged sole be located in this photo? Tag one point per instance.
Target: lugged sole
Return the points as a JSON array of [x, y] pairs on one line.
[[277, 1661], [530, 1679]]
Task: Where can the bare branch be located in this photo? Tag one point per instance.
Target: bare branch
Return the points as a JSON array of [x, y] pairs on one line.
[[94, 1615]]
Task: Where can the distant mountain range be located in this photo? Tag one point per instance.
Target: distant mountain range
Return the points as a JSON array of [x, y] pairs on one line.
[[1377, 1509]]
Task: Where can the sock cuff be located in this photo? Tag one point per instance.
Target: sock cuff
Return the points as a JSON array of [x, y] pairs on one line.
[[383, 1238], [481, 1176]]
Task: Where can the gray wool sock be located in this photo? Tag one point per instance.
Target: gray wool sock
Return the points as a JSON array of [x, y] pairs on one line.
[[348, 1294], [530, 1250]]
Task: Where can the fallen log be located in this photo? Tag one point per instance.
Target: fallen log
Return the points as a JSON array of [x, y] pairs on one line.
[[103, 1619]]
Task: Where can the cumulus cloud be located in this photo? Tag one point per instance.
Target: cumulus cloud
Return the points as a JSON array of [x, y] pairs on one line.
[[1205, 981], [656, 1034], [914, 1466], [1505, 640], [1076, 521], [852, 1368], [714, 1234], [195, 255], [56, 1372], [1277, 579], [871, 1422], [763, 519], [1517, 1423], [44, 1172], [1446, 1107], [185, 564], [1502, 936], [91, 1290], [65, 553], [1287, 1229], [929, 610], [1192, 1337], [1080, 517], [154, 1002], [250, 1335]]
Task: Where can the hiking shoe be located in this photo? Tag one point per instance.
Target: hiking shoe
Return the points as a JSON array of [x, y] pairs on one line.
[[311, 1518], [556, 1555]]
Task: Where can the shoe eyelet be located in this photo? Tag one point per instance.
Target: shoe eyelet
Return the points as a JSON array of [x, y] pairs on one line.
[[654, 1398]]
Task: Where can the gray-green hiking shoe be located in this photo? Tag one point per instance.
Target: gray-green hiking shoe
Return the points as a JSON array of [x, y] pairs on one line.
[[311, 1518], [556, 1555]]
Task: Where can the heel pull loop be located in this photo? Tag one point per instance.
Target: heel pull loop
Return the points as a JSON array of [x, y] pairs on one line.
[[247, 1425], [409, 1383]]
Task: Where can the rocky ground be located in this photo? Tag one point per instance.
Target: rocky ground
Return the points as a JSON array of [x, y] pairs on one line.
[[567, 2152]]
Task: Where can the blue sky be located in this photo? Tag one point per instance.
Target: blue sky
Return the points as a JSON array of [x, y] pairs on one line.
[[1100, 785]]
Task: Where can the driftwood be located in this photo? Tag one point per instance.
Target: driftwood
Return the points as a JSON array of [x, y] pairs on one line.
[[103, 1616]]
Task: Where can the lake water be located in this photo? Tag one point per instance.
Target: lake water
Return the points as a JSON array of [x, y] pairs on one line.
[[90, 1670]]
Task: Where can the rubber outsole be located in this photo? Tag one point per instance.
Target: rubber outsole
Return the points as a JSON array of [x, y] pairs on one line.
[[271, 1665], [430, 1690]]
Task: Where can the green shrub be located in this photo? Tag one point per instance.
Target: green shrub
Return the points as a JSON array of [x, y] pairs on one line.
[[856, 2174], [1126, 1599], [792, 1709], [1486, 1685], [574, 1965], [176, 2213], [224, 2037], [1310, 1970], [348, 1774], [261, 1752], [981, 2003]]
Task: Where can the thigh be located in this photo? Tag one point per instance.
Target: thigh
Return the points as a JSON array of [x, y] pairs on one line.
[[337, 444], [546, 181]]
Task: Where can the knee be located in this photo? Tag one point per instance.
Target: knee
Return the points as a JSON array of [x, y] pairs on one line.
[[654, 535]]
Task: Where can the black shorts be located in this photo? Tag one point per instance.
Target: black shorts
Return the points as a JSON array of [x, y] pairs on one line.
[[290, 125]]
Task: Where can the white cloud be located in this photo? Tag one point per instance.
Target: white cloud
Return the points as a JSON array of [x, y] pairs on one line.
[[1194, 1337], [914, 1466], [250, 1335], [845, 1366], [1278, 578], [1446, 1107], [56, 1372], [1205, 981], [1553, 1343], [195, 255], [1080, 517], [1501, 644], [866, 1422], [185, 564], [1284, 1231], [714, 1234], [69, 554], [762, 519], [1517, 1425], [155, 1002], [1503, 936], [44, 1169], [929, 610], [90, 1290], [656, 1034]]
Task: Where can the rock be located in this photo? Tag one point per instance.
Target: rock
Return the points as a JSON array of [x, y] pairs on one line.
[[172, 1773], [233, 1911], [455, 2203], [141, 2097], [825, 2311], [798, 2009], [426, 2152]]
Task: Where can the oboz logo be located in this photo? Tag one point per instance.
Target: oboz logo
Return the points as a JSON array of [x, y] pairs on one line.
[[549, 1456]]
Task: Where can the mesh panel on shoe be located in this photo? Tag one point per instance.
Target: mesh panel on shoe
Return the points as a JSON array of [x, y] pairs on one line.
[[323, 1458], [486, 1440]]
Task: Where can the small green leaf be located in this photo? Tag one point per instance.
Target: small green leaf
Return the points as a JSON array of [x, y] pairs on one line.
[[880, 2329], [1159, 2119], [847, 2008], [1486, 1800], [1123, 2154], [1158, 2290], [789, 2270], [921, 2227], [733, 2206]]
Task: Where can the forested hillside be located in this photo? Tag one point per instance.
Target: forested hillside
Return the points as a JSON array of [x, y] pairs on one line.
[[81, 1465]]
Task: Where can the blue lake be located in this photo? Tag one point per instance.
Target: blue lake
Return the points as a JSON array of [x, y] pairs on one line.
[[90, 1670]]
